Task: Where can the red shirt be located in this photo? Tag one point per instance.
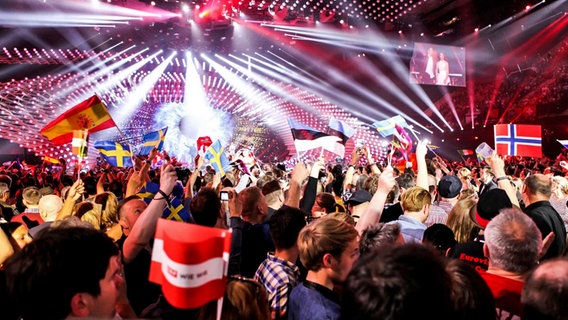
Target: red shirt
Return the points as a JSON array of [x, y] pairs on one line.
[[507, 292]]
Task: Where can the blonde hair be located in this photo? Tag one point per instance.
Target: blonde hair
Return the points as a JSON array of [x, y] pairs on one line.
[[415, 198], [465, 172], [109, 205], [325, 235], [460, 222], [342, 216], [560, 186], [273, 196]]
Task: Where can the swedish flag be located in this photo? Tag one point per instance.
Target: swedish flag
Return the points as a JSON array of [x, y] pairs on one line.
[[176, 211], [218, 158], [148, 191], [116, 154], [153, 140]]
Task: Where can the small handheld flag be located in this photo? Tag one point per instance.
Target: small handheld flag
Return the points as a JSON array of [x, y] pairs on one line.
[[190, 262], [218, 158], [79, 143], [50, 160], [203, 143], [341, 130], [307, 138], [466, 152]]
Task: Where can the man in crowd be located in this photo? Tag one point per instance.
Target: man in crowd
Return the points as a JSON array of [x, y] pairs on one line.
[[486, 180], [274, 197], [7, 209], [30, 216], [512, 245], [138, 222], [256, 238], [449, 189], [328, 248], [279, 273], [416, 205], [536, 191], [405, 282], [546, 291], [67, 272]]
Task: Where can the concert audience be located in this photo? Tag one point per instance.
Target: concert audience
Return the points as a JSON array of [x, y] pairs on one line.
[[329, 244]]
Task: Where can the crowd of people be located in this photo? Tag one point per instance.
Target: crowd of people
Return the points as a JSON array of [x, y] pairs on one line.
[[449, 240]]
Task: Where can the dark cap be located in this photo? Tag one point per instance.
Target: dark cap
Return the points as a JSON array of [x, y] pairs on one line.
[[270, 187], [449, 186], [359, 197], [489, 205]]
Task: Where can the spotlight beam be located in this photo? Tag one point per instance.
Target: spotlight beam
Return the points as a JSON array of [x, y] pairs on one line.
[[139, 94]]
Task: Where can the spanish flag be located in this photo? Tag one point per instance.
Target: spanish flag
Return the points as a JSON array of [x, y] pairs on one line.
[[50, 160], [91, 115]]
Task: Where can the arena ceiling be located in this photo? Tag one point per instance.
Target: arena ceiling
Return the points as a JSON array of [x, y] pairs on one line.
[[237, 70]]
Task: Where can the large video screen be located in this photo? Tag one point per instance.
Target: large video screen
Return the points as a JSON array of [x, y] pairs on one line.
[[437, 65]]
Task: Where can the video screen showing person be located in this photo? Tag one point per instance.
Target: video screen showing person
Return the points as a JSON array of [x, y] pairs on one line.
[[437, 65]]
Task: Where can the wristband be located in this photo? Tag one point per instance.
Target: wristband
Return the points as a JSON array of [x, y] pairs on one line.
[[164, 197], [503, 178]]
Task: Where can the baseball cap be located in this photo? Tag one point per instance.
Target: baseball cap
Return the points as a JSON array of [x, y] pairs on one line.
[[449, 186]]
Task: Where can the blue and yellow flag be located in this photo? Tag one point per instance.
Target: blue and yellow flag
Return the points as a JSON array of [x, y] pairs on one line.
[[116, 154], [176, 211], [387, 127], [148, 191], [153, 140], [218, 158]]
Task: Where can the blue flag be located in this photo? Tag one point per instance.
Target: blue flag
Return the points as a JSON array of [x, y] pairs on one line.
[[387, 127], [116, 154], [218, 158], [153, 140]]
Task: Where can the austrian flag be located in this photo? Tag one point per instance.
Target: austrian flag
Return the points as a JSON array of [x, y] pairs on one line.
[[518, 140], [190, 262]]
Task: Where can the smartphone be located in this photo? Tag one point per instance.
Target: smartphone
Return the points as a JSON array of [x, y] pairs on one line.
[[360, 143], [224, 196]]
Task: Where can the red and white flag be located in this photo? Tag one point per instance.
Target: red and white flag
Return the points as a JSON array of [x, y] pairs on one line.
[[518, 140], [190, 262]]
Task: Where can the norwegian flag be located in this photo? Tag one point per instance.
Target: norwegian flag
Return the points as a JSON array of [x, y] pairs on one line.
[[190, 262], [518, 140]]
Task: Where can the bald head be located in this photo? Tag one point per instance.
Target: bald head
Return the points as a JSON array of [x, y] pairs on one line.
[[49, 207], [254, 204], [538, 184]]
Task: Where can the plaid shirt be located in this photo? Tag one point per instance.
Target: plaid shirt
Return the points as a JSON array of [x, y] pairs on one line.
[[439, 212], [279, 277]]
